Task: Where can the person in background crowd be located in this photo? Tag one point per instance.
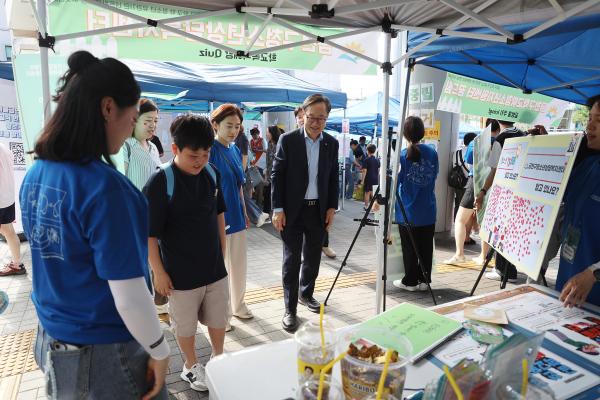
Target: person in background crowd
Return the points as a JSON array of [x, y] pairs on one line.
[[328, 251], [351, 165], [98, 333], [187, 242], [362, 143], [305, 190], [141, 155], [242, 143], [141, 159], [371, 166], [258, 161], [226, 121], [466, 215], [461, 155], [578, 277], [7, 214], [255, 214], [507, 131], [154, 139], [419, 168], [273, 134]]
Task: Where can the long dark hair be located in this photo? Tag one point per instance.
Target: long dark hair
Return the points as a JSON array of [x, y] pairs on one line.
[[275, 133], [413, 130], [76, 130]]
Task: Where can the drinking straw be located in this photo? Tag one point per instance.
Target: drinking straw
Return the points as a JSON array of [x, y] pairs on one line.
[[322, 312], [524, 379], [453, 384], [388, 358], [325, 370]]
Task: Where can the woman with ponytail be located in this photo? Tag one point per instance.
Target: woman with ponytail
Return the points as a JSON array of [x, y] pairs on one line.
[[419, 168], [87, 224]]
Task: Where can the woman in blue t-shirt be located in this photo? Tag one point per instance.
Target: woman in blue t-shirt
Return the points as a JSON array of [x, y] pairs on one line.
[[99, 336], [416, 190], [226, 120]]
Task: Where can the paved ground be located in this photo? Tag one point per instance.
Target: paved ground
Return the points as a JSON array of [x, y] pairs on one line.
[[352, 301]]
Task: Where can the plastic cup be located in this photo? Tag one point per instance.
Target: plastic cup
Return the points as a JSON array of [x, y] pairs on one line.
[[309, 390], [360, 378], [310, 352]]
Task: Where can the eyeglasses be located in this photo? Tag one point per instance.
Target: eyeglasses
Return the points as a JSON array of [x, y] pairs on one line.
[[318, 120]]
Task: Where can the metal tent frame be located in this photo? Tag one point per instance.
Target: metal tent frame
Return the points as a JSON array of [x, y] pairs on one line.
[[361, 16]]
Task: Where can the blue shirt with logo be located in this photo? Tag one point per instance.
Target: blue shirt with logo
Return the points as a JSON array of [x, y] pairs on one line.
[[86, 224], [416, 187], [228, 161]]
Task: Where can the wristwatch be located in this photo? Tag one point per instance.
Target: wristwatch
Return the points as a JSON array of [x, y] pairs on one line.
[[595, 268]]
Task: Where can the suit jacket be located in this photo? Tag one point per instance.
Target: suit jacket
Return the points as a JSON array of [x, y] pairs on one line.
[[290, 174]]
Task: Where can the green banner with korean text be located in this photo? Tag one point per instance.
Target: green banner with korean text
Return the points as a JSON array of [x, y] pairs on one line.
[[235, 31], [471, 96]]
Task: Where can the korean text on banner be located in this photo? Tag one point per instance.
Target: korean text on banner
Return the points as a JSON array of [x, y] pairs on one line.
[[235, 31], [10, 135], [464, 95], [523, 202]]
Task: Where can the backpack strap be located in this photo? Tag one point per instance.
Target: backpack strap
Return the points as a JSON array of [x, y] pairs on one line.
[[211, 171], [170, 176]]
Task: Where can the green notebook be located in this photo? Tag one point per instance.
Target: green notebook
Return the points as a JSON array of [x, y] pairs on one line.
[[424, 329]]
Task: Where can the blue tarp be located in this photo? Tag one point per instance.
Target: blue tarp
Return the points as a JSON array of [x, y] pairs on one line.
[[566, 52], [227, 84], [365, 115]]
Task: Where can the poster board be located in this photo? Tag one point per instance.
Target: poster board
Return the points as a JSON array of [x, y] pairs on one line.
[[11, 136], [524, 199]]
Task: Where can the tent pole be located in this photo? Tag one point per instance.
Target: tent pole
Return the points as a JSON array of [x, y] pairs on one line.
[[381, 273], [41, 10], [404, 89], [450, 32]]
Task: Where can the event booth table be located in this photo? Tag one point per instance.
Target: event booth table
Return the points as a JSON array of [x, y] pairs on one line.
[[269, 371]]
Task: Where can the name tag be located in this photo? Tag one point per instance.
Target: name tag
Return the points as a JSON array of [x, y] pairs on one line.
[[570, 244]]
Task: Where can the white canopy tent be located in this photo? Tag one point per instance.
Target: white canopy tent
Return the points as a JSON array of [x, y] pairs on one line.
[[393, 17]]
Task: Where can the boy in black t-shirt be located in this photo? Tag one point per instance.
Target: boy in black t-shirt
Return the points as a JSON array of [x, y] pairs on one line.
[[187, 240]]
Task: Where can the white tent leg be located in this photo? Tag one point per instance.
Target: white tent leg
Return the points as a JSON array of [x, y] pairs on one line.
[[41, 8], [383, 172]]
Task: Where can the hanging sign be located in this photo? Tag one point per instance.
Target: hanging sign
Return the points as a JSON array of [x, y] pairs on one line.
[[235, 31], [471, 96], [345, 125]]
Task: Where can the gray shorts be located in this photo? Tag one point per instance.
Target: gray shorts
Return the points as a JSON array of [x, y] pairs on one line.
[[207, 304]]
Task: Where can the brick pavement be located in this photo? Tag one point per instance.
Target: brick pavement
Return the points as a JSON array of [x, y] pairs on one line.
[[348, 305]]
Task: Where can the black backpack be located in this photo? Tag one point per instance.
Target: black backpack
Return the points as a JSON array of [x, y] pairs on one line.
[[457, 178]]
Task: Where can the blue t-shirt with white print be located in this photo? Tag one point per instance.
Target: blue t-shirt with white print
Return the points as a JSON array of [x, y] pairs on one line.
[[416, 187], [86, 224]]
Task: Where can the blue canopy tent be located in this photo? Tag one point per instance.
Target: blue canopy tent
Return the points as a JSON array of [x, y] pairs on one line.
[[191, 87], [562, 61], [206, 83], [365, 116]]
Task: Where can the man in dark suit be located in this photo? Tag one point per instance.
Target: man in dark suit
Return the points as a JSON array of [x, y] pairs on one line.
[[304, 197]]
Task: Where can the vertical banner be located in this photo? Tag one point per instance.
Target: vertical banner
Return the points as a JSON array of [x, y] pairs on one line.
[[10, 135], [523, 202]]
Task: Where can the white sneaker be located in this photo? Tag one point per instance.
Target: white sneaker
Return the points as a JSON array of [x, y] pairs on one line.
[[329, 252], [163, 309], [495, 276], [264, 217], [455, 260], [478, 260], [398, 283], [195, 376]]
